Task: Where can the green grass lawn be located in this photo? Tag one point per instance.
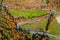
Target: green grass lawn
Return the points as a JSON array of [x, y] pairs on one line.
[[54, 28], [28, 14]]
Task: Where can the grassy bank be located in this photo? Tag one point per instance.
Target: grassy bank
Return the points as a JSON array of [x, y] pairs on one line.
[[28, 14]]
